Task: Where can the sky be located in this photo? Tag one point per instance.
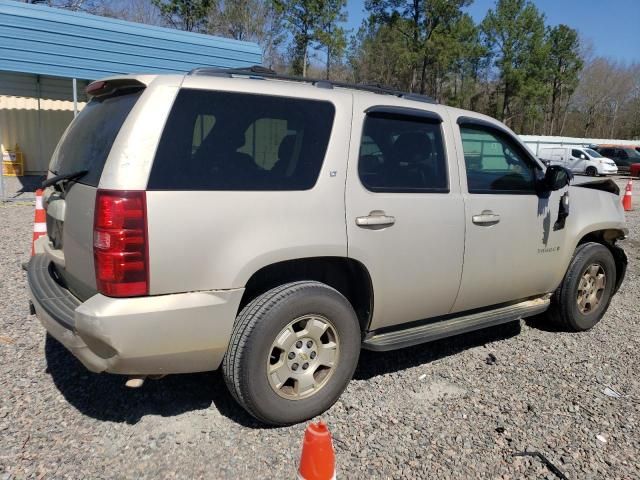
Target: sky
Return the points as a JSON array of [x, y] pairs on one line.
[[611, 26]]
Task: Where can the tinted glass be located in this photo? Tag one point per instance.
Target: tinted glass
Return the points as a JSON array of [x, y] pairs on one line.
[[400, 154], [87, 142], [577, 154], [494, 163], [239, 141], [632, 153]]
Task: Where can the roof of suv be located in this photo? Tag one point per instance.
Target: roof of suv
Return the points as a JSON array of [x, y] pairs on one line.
[[413, 100], [308, 85], [265, 73]]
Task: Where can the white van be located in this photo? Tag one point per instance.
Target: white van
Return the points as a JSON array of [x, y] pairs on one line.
[[579, 160]]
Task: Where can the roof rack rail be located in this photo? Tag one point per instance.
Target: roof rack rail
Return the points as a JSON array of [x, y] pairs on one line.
[[260, 72]]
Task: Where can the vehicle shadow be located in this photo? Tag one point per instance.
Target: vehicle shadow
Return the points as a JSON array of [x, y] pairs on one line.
[[105, 397], [372, 364], [542, 323], [22, 187]]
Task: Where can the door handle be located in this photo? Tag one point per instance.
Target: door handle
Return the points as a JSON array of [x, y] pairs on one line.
[[375, 219], [486, 218]]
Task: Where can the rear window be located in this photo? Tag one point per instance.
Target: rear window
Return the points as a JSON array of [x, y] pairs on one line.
[[240, 141], [87, 142]]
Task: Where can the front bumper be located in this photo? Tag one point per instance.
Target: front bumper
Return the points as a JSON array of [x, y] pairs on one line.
[[180, 333], [608, 170]]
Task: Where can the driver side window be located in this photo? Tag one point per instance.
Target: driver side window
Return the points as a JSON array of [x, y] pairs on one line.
[[494, 163]]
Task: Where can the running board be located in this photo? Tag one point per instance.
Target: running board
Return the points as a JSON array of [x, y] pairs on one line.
[[446, 328]]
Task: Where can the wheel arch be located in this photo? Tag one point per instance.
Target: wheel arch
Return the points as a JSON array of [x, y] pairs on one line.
[[348, 276], [608, 237]]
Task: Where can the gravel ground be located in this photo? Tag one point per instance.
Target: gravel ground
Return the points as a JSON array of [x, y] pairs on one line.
[[458, 408]]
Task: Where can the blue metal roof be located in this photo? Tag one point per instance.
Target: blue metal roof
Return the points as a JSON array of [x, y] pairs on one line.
[[48, 41]]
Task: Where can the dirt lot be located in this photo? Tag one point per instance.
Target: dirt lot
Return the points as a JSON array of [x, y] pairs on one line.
[[459, 408]]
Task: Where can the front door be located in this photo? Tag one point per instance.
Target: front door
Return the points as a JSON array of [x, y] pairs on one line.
[[405, 215], [578, 161], [511, 245]]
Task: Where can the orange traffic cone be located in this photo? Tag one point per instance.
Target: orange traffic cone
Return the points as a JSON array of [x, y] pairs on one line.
[[318, 461], [626, 199], [39, 223]]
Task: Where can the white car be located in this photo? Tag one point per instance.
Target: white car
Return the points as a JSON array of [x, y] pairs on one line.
[[579, 160]]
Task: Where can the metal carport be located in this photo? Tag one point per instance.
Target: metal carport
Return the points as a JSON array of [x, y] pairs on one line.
[[47, 55]]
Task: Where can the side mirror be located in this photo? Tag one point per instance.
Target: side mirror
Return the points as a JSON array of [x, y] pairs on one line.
[[555, 178]]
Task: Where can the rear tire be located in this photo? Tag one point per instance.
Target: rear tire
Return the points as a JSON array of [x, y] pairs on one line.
[[584, 295], [592, 171], [292, 352]]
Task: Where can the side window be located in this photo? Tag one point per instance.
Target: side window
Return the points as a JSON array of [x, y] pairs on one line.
[[622, 154], [216, 140], [495, 163], [402, 154], [576, 154]]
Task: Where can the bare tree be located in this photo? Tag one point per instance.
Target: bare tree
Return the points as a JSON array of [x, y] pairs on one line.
[[250, 20], [139, 11], [604, 100]]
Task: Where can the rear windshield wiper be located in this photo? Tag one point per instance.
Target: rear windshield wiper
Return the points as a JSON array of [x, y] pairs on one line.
[[64, 177]]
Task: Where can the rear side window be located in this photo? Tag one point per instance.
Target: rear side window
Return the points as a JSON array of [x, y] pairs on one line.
[[87, 142], [402, 154], [240, 141]]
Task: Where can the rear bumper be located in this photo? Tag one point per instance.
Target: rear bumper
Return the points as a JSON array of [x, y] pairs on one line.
[[180, 333]]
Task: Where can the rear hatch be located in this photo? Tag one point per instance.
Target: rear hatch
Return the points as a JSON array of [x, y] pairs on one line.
[[70, 202]]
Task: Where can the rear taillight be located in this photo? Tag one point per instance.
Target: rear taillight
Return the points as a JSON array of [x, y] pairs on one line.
[[120, 243]]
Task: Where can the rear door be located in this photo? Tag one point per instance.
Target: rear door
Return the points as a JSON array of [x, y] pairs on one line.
[[559, 157], [555, 156], [247, 173], [511, 246], [405, 216]]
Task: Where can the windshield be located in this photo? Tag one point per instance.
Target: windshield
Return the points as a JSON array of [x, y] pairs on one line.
[[592, 153], [86, 143]]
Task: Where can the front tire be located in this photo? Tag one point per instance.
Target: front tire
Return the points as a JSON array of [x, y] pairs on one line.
[[292, 352], [592, 171], [586, 290]]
